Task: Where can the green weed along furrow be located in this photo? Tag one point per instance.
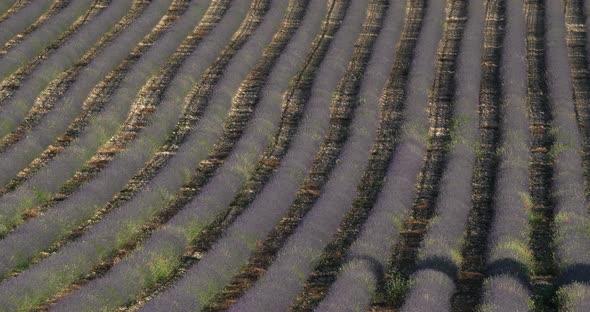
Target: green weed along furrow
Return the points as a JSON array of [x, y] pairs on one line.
[[48, 173], [63, 214], [215, 69], [21, 19], [43, 36], [229, 176], [469, 280], [65, 97], [18, 105]]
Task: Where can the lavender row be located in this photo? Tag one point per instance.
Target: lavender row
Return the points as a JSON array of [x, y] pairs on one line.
[[119, 227], [56, 122], [43, 36], [22, 19], [440, 254], [510, 259], [368, 255], [68, 214]]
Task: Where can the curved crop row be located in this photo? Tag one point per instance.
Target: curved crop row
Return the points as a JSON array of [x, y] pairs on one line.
[[69, 52], [205, 196], [365, 130], [96, 236], [438, 260], [58, 97], [392, 103], [438, 139], [93, 103], [509, 259], [66, 215], [56, 166], [58, 28], [571, 214], [240, 238], [326, 173], [21, 19], [577, 44], [472, 264]]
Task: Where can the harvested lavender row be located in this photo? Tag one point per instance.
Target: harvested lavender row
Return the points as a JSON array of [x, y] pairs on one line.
[[50, 178], [56, 121], [364, 132], [272, 204], [21, 19], [213, 197], [440, 253], [16, 108], [35, 42], [571, 214], [510, 259], [368, 256], [100, 129]]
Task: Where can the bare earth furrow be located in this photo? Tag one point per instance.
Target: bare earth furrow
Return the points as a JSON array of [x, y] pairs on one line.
[[381, 152], [325, 175], [439, 256], [56, 7], [440, 111], [13, 24], [472, 264], [59, 97], [541, 216], [62, 22], [15, 108], [98, 99], [211, 198], [129, 214], [577, 44], [509, 258], [66, 215], [571, 214], [71, 160], [239, 254], [365, 129], [11, 7]]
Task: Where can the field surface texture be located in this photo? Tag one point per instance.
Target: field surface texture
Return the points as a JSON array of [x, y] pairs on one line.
[[295, 155]]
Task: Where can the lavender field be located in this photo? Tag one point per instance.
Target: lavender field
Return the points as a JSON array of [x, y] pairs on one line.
[[295, 155]]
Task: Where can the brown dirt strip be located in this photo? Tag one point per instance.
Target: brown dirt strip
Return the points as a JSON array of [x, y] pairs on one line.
[[293, 105], [13, 82], [98, 99], [471, 274], [209, 21], [403, 261], [577, 52], [47, 99], [197, 100], [392, 102], [541, 221], [149, 95], [343, 106], [19, 4]]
